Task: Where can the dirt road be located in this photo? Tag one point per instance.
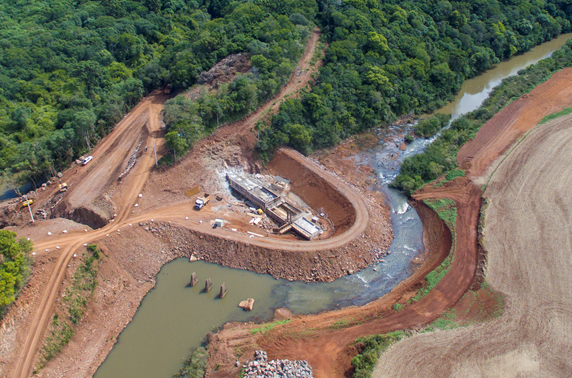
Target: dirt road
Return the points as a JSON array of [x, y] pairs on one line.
[[142, 125], [329, 352], [527, 236]]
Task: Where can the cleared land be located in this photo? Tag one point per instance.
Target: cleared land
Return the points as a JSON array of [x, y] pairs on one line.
[[501, 131], [528, 236], [95, 191]]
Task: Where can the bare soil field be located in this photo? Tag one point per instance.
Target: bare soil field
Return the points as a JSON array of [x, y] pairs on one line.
[[527, 236], [501, 131], [330, 353]]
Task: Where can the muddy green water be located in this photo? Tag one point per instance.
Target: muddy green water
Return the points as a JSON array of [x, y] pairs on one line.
[[173, 318], [476, 90]]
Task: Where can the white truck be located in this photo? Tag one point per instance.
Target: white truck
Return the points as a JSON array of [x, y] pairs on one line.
[[202, 201]]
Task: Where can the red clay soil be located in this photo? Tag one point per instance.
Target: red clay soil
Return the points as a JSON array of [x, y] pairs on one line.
[[507, 126], [329, 351], [309, 185]]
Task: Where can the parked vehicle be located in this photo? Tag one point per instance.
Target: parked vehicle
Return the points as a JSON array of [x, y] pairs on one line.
[[86, 160], [202, 201]]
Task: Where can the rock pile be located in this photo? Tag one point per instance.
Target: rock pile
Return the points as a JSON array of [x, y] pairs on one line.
[[262, 368]]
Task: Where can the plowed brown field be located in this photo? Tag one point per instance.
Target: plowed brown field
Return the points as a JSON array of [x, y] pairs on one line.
[[528, 237], [329, 352]]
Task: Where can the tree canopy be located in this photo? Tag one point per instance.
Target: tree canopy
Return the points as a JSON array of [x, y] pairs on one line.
[[14, 266], [70, 69], [389, 58]]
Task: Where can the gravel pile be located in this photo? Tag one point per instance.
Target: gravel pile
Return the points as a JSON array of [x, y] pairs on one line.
[[262, 368]]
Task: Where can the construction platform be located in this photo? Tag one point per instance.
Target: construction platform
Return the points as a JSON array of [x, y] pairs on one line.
[[271, 199]]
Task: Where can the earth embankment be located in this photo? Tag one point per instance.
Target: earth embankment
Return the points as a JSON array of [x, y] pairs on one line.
[[507, 126], [325, 347], [527, 236], [317, 192]]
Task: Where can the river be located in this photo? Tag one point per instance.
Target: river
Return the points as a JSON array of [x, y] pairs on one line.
[[174, 318]]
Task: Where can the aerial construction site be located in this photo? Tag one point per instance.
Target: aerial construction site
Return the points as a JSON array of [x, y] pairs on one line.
[[298, 218]]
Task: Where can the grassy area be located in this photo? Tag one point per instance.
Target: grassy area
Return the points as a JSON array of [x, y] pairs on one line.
[[76, 297], [60, 333], [268, 327], [83, 285], [195, 365], [552, 116], [450, 176], [373, 346], [447, 211]]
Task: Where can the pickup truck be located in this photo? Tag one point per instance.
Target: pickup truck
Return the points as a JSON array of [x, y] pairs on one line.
[[202, 201]]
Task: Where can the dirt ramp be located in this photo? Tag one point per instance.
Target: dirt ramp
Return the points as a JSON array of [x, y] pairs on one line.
[[93, 218], [314, 189]]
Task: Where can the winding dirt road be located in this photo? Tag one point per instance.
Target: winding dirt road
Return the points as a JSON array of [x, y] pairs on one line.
[[110, 157], [328, 351], [528, 237]]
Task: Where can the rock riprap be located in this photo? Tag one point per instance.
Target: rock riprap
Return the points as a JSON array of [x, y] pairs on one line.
[[262, 368]]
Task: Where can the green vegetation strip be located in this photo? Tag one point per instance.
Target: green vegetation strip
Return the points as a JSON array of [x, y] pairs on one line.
[[268, 327], [561, 113], [75, 299], [440, 157], [195, 365], [373, 346], [14, 267], [446, 210]]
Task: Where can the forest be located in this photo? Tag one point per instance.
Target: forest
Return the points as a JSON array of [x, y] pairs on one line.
[[387, 59], [14, 266], [440, 156], [70, 69]]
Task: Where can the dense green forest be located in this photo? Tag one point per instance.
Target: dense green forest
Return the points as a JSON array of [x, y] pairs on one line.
[[14, 266], [70, 69], [440, 156], [391, 58], [275, 44]]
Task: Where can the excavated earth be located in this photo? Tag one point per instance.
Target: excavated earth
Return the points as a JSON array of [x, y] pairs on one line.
[[329, 352], [527, 236]]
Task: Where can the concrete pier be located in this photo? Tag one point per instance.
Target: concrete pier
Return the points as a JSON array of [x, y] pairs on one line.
[[222, 290], [208, 285], [194, 279]]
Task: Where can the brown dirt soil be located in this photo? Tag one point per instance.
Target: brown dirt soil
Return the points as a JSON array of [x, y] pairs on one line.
[[527, 236], [315, 191], [501, 131], [95, 195], [328, 353], [319, 339]]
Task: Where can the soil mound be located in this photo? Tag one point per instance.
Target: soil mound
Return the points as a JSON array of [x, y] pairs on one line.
[[314, 189]]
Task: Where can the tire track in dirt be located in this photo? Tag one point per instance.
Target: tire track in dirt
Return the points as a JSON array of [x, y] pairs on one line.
[[109, 156], [528, 238]]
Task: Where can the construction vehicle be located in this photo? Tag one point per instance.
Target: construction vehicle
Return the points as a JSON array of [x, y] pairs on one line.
[[26, 203], [63, 187], [202, 201]]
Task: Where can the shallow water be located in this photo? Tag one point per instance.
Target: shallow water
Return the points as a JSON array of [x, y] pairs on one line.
[[173, 319]]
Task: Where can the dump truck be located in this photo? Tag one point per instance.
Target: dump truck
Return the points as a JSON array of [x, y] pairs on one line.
[[63, 187], [202, 201]]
